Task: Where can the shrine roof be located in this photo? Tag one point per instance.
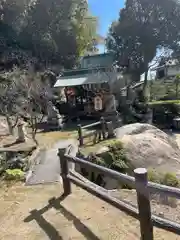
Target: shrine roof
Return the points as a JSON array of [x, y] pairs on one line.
[[82, 71], [81, 79]]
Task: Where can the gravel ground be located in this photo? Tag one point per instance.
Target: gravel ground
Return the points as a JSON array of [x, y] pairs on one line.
[[78, 217], [170, 210]]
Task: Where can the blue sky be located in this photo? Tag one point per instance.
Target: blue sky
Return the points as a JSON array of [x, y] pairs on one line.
[[107, 11]]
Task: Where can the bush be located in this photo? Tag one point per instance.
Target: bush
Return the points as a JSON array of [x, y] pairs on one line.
[[171, 180], [160, 102], [14, 174], [165, 111], [168, 179], [117, 158], [154, 176]]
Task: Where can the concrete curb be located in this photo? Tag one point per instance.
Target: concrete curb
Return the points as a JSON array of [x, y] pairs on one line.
[[31, 162]]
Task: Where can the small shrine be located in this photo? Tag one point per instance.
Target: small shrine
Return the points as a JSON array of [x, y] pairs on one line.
[[89, 90]]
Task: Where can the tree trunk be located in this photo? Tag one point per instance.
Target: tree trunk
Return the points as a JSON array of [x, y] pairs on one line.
[[136, 76], [145, 86], [34, 138], [177, 88], [10, 126], [34, 129]]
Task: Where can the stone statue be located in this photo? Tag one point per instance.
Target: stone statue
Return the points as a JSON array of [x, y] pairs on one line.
[[54, 118], [21, 127]]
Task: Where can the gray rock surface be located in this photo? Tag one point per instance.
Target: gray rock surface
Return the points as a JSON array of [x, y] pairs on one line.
[[3, 128], [149, 147]]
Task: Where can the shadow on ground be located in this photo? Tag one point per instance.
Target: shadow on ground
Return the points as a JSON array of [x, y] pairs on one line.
[[47, 227]]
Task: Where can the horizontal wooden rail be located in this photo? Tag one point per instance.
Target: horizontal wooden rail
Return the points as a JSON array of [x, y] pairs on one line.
[[130, 181], [128, 208], [139, 182], [109, 172], [163, 189], [98, 133], [91, 125], [113, 201], [90, 134]]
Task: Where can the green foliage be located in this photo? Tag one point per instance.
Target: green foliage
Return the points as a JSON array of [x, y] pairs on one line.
[[154, 176], [14, 174], [117, 154], [164, 90], [168, 179], [63, 32], [138, 33], [115, 158], [155, 103], [165, 111]]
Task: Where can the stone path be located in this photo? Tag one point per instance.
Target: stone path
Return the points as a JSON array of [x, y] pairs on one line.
[[47, 168]]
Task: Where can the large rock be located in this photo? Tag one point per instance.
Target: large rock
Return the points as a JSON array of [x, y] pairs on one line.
[[149, 147], [3, 129]]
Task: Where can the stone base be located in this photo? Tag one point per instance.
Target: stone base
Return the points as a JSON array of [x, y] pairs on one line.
[[19, 140]]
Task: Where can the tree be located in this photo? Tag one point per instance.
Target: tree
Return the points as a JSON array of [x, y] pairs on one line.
[[9, 97], [143, 28], [35, 95], [86, 28], [64, 31], [11, 20], [24, 94]]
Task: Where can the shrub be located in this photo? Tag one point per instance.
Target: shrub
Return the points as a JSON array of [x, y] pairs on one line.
[[154, 176], [171, 180], [165, 111], [117, 158], [168, 179], [160, 102], [14, 174]]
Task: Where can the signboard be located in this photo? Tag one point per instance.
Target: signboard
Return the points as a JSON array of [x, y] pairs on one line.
[[124, 92], [98, 105]]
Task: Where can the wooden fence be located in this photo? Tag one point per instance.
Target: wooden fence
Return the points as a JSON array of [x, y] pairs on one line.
[[100, 132], [139, 182]]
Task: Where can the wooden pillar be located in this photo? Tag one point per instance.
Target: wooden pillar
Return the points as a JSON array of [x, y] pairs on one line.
[[80, 136], [110, 129], [103, 127], [143, 200], [64, 171]]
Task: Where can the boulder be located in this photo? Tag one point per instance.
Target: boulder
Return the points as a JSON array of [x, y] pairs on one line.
[[149, 147], [3, 129]]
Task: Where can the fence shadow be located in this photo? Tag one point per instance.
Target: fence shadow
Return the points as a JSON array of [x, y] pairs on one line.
[[47, 227]]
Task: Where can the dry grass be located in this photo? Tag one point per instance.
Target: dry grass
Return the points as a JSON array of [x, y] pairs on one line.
[[89, 148], [48, 139], [79, 216], [45, 140]]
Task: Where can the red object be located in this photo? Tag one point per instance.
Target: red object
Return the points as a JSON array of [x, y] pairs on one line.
[[70, 91]]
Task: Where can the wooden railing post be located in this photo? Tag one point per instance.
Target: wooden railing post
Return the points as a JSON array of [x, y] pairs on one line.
[[103, 127], [143, 200], [64, 171], [110, 129], [80, 136]]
